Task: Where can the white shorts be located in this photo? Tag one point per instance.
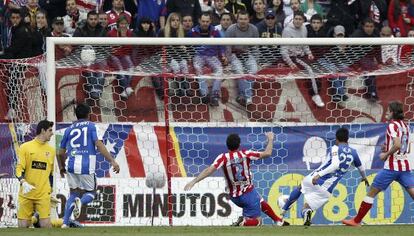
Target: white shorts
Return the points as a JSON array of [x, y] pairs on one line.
[[315, 195], [84, 182]]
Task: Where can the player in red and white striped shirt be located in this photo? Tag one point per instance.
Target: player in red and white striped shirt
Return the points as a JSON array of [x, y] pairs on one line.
[[236, 167], [395, 155]]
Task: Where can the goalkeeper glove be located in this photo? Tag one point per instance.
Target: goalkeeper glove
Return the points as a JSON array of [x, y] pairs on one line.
[[26, 187]]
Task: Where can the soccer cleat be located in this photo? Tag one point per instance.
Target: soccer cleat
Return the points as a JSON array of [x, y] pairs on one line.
[[123, 94], [238, 222], [308, 217], [351, 222], [36, 220], [75, 224], [282, 223], [78, 208], [64, 226], [129, 91], [318, 100]]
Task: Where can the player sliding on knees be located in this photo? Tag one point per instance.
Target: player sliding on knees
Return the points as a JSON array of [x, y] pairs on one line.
[[396, 164], [236, 167], [34, 170], [317, 187], [79, 144]]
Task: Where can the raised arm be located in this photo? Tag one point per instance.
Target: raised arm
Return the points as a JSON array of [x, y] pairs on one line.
[[269, 148]]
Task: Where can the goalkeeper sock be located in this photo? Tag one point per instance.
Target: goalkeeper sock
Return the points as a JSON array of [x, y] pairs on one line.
[[70, 204], [87, 198], [267, 209], [294, 195], [363, 209]]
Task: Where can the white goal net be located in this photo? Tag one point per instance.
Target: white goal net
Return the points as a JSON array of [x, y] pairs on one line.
[[166, 106]]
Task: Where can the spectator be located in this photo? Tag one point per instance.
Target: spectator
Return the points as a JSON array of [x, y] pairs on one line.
[[310, 8], [2, 24], [268, 28], [277, 6], [86, 6], [155, 10], [218, 11], [243, 56], [342, 12], [372, 58], [120, 56], [130, 6], [188, 7], [389, 53], [287, 8], [234, 6], [145, 28], [40, 33], [337, 60], [295, 6], [58, 31], [294, 56], [259, 8], [226, 20], [177, 55], [29, 12], [400, 19], [117, 11], [316, 28], [249, 6], [103, 20], [74, 17], [208, 55], [375, 9], [16, 4], [20, 46], [406, 51], [188, 23], [206, 5], [95, 80], [54, 8]]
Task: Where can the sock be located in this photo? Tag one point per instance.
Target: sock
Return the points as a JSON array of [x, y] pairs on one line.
[[87, 198], [69, 207], [366, 205], [304, 212], [251, 222], [294, 195], [269, 211]]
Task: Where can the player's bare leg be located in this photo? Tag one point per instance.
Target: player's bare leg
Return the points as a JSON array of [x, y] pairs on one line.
[[366, 205], [307, 214], [24, 223], [45, 223]]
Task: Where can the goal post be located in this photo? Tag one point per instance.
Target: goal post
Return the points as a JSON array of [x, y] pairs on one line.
[[163, 131]]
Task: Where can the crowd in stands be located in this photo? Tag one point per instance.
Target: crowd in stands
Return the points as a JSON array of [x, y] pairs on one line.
[[31, 21]]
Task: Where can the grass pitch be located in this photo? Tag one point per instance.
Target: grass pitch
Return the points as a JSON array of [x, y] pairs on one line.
[[393, 230]]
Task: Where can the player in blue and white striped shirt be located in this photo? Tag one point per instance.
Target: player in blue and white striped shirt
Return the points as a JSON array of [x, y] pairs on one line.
[[77, 157], [317, 187]]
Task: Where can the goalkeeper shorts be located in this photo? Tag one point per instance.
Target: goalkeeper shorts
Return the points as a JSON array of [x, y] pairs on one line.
[[27, 207]]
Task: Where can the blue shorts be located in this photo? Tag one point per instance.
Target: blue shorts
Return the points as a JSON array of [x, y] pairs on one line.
[[250, 203], [385, 177]]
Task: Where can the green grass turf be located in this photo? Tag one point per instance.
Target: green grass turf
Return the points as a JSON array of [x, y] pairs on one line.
[[390, 230]]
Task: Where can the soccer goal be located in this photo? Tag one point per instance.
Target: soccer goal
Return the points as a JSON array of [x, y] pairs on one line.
[[166, 106]]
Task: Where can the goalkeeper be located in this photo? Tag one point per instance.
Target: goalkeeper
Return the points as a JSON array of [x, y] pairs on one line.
[[33, 170]]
